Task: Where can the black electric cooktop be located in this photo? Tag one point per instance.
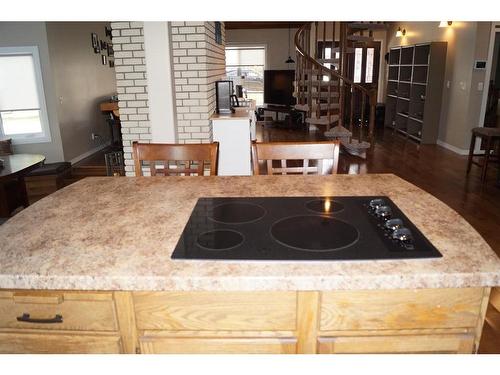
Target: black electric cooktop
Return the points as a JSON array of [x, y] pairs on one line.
[[301, 228]]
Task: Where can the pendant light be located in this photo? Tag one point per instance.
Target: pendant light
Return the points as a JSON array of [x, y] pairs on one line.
[[289, 60]]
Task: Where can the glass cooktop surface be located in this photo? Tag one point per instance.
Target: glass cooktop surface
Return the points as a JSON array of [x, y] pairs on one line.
[[301, 228]]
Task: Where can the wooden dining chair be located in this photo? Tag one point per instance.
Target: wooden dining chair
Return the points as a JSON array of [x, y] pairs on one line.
[[296, 157], [175, 159]]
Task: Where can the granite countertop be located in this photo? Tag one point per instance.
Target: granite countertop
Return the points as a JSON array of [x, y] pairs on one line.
[[105, 233]]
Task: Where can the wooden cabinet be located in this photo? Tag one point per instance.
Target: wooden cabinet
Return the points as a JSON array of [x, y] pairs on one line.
[[58, 322], [217, 345], [50, 342], [216, 311], [369, 321], [76, 311], [425, 343], [400, 309]]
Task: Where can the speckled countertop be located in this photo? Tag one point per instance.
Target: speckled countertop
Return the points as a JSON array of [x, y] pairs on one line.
[[106, 233]]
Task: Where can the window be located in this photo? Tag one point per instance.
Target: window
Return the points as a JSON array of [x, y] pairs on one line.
[[245, 67], [370, 53], [364, 69], [23, 113], [358, 63]]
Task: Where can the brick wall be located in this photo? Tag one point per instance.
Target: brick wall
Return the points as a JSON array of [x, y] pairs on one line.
[[198, 61], [130, 68]]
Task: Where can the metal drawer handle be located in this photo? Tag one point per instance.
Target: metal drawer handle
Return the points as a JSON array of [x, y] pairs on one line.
[[26, 318]]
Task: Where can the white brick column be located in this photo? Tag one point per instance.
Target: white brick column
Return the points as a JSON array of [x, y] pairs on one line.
[[198, 62], [130, 68]]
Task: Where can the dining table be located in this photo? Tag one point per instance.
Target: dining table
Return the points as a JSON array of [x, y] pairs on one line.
[[13, 168]]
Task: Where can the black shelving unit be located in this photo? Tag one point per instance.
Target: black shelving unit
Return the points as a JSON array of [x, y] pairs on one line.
[[414, 90]]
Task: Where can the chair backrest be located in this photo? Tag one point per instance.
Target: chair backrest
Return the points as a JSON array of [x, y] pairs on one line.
[[175, 159], [114, 163], [325, 157]]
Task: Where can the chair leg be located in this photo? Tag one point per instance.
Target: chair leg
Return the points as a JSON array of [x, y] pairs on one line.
[[471, 152], [486, 159]]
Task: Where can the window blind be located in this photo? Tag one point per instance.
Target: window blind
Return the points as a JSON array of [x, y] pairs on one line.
[[18, 85]]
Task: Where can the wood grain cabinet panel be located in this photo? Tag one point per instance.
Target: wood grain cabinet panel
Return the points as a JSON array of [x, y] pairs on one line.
[[78, 311], [400, 309], [20, 342], [216, 345], [452, 343], [216, 311]]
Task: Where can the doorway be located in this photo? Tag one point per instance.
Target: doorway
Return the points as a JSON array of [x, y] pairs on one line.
[[492, 110]]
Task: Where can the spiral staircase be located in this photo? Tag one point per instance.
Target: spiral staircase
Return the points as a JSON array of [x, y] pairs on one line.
[[332, 101]]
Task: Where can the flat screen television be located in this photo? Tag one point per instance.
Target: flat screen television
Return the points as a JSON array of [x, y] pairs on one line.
[[278, 87]]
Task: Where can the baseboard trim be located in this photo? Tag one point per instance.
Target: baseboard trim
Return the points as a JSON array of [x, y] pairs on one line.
[[89, 152], [456, 150]]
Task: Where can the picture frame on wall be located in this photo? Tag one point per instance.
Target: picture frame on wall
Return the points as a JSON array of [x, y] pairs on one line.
[[95, 43], [104, 60], [111, 51], [218, 32], [104, 45], [111, 63], [107, 32]]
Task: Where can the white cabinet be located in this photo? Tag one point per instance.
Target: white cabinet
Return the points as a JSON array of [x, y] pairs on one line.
[[234, 133]]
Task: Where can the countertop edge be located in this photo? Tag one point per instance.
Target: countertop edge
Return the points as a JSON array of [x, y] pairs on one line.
[[251, 283]]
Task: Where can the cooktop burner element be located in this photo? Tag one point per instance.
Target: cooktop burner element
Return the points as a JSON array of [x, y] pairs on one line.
[[220, 240], [324, 206], [314, 233], [301, 228], [237, 213]]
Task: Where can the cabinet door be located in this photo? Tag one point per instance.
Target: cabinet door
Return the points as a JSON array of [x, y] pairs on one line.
[[444, 343], [177, 345], [216, 311], [39, 343], [400, 309]]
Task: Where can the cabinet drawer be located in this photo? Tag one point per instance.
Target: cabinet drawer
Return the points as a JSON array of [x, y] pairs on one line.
[[33, 343], [400, 309], [446, 343], [157, 345], [59, 311], [216, 311]]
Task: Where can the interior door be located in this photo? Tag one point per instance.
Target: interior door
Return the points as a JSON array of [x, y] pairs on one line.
[[365, 63]]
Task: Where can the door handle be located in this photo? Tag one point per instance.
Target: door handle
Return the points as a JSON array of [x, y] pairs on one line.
[[26, 318]]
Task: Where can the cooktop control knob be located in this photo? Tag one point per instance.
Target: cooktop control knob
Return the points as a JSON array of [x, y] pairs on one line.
[[393, 224], [376, 203], [402, 234], [383, 212]]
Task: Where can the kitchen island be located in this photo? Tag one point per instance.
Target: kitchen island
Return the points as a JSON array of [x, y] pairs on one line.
[[88, 269]]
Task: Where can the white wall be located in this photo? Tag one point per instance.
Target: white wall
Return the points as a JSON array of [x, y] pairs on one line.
[[157, 45], [81, 83], [14, 34], [275, 40]]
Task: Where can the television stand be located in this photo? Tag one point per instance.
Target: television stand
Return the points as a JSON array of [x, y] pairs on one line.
[[290, 111]]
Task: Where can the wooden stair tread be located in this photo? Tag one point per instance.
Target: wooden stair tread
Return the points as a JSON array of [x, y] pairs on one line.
[[367, 26], [89, 170], [317, 83], [322, 94], [323, 106], [323, 120], [328, 61], [360, 38]]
